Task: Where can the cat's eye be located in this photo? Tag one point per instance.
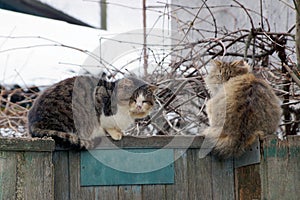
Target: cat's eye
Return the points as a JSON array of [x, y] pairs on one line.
[[148, 102], [149, 92]]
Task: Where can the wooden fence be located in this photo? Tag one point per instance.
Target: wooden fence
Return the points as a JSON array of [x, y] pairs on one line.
[[26, 169], [31, 169]]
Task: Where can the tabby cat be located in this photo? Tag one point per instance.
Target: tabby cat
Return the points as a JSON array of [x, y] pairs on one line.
[[76, 111], [241, 109]]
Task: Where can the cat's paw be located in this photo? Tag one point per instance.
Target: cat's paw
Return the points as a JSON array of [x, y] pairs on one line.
[[115, 134]]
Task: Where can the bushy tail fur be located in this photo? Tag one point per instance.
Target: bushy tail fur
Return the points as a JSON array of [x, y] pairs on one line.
[[63, 139], [226, 145]]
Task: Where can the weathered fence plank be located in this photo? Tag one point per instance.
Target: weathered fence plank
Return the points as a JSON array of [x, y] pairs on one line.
[[106, 193], [26, 169], [76, 191], [74, 179], [26, 144], [61, 174], [179, 189], [153, 192], [199, 176], [249, 183], [8, 163], [222, 179], [37, 175], [127, 193], [280, 168]]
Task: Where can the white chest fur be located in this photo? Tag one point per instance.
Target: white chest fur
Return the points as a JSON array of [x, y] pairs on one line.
[[121, 119]]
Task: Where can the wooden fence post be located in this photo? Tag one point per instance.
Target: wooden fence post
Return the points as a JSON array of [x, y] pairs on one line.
[[26, 169], [276, 176]]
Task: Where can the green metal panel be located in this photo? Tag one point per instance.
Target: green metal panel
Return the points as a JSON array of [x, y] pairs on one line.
[[127, 167]]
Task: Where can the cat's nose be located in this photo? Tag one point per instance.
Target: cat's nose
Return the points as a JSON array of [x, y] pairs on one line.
[[139, 105]]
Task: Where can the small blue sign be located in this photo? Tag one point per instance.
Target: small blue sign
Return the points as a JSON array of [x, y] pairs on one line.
[[127, 167]]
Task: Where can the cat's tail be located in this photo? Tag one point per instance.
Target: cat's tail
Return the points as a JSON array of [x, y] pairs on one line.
[[63, 139], [226, 145]]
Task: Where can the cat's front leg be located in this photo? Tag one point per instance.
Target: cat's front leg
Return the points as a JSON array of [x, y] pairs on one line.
[[116, 134]]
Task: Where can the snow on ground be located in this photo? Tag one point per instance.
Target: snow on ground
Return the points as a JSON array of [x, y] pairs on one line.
[[8, 132], [30, 57], [26, 59]]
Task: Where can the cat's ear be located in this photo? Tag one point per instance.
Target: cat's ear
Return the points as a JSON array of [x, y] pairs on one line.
[[153, 88], [216, 62], [242, 66], [239, 63], [125, 83]]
